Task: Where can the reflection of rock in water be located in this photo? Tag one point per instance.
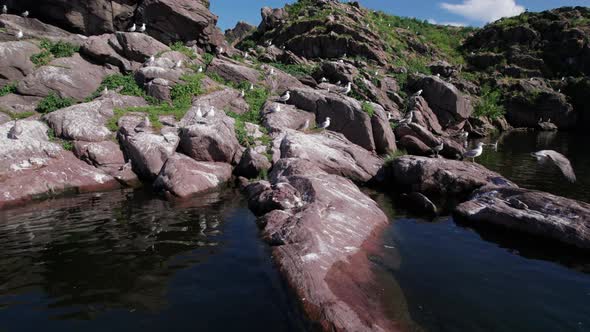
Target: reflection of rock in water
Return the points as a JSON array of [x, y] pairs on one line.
[[545, 138], [104, 251]]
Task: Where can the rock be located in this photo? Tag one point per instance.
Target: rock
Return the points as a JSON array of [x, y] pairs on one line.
[[419, 204], [87, 121], [71, 77], [33, 28], [320, 227], [138, 47], [271, 18], [99, 49], [424, 116], [335, 71], [532, 212], [332, 153], [346, 114], [414, 146], [233, 71], [148, 151], [4, 118], [280, 81], [443, 69], [15, 60], [182, 176], [290, 117], [382, 132], [17, 104], [108, 157], [208, 139], [241, 30], [159, 88], [443, 177], [227, 99], [32, 167], [252, 164], [447, 102]]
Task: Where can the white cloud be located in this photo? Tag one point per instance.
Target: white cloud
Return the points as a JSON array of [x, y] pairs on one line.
[[484, 10]]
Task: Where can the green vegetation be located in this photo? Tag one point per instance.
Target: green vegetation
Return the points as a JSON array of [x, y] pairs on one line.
[[368, 108], [18, 116], [394, 155], [181, 95], [51, 50], [53, 102], [208, 58], [115, 81], [180, 47], [67, 145], [490, 103], [8, 89]]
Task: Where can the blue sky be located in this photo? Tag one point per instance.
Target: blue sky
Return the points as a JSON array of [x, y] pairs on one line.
[[468, 12]]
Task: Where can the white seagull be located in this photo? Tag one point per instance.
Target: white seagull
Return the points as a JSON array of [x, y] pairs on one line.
[[143, 27], [251, 86], [304, 126], [20, 34], [211, 111], [200, 69], [26, 13], [15, 131], [272, 71], [143, 124], [199, 112], [325, 124], [559, 160], [4, 9], [475, 152], [152, 58], [437, 149], [277, 108], [242, 93], [419, 93], [347, 89], [133, 28], [284, 98], [324, 80], [178, 64]]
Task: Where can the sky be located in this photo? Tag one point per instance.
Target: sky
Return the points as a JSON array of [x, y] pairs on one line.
[[456, 12]]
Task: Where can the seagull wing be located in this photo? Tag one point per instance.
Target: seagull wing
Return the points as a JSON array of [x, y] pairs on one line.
[[563, 163]]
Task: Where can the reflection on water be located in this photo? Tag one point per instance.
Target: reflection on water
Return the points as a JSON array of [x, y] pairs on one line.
[[513, 160], [126, 259]]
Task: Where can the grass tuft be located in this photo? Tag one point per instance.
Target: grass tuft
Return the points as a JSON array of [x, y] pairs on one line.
[[53, 102]]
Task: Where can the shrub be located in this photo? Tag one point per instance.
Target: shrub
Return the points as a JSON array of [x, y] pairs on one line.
[[182, 93], [8, 89], [208, 58], [53, 102], [51, 50], [368, 108], [490, 103], [394, 155], [180, 47], [67, 145]]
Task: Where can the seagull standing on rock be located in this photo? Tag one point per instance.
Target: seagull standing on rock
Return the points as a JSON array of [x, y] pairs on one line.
[[407, 119], [200, 69], [475, 152], [178, 64], [15, 131], [419, 93], [4, 9], [325, 124], [305, 126], [242, 93], [559, 160], [143, 27], [20, 34], [133, 28], [199, 113], [347, 89], [143, 124], [437, 149], [211, 112], [284, 98], [277, 108], [26, 14]]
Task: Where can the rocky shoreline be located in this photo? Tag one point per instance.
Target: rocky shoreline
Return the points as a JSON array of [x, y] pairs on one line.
[[181, 109]]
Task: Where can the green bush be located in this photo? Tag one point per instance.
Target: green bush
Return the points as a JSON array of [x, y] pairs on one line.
[[8, 89], [368, 108], [53, 102], [182, 93], [52, 50], [208, 58], [42, 58], [490, 104], [67, 145], [394, 155], [180, 47]]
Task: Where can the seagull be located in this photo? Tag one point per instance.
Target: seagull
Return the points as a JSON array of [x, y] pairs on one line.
[[143, 27], [20, 34], [338, 83], [407, 119], [133, 28], [106, 90], [143, 124], [376, 73], [304, 126], [4, 9], [559, 160], [325, 124], [15, 131], [242, 93], [200, 69], [437, 149], [26, 13], [389, 116], [251, 86], [324, 80], [199, 112], [220, 50], [437, 75], [152, 58], [126, 166], [284, 98], [475, 152], [272, 71], [178, 64], [347, 89], [419, 93], [268, 42], [246, 55], [277, 108], [211, 112]]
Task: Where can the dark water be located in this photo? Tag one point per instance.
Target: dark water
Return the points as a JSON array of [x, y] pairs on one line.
[[455, 278], [126, 261]]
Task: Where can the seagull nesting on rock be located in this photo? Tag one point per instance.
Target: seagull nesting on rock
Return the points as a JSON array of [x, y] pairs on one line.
[[558, 160], [133, 28], [284, 98], [475, 152]]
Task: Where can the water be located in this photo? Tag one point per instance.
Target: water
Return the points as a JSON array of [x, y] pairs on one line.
[[455, 278], [127, 260]]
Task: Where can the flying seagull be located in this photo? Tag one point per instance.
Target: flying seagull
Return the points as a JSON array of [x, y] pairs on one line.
[[559, 160], [325, 124], [284, 98], [475, 152], [133, 28]]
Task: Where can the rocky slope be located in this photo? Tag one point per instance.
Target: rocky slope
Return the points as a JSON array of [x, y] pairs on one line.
[[86, 106]]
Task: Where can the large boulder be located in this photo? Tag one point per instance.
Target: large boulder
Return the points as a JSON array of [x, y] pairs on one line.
[[182, 176], [87, 121], [346, 114], [332, 153], [414, 146], [442, 177], [289, 117], [237, 33], [382, 132], [321, 227], [448, 103], [71, 77], [209, 139], [424, 116], [32, 167], [15, 60], [226, 99], [138, 47], [108, 157], [532, 212], [17, 104], [252, 164], [33, 28], [233, 71]]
